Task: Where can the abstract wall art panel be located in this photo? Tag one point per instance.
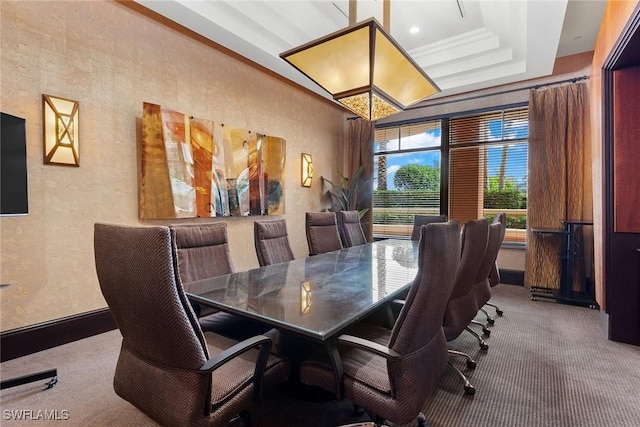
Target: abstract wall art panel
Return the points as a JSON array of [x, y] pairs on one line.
[[273, 157], [193, 167], [203, 151]]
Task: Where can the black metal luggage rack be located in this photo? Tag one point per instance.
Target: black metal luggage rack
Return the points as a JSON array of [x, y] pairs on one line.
[[572, 251]]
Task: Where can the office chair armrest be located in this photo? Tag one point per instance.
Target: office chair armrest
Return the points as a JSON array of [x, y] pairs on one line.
[[389, 312], [338, 370], [261, 362], [391, 316], [371, 346]]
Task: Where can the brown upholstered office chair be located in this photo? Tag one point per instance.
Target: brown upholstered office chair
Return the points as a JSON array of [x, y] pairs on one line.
[[482, 288], [494, 275], [322, 232], [167, 367], [390, 373], [420, 220], [203, 252], [350, 229], [272, 242], [462, 307]]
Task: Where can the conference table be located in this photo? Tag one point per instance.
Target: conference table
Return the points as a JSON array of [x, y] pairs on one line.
[[317, 297]]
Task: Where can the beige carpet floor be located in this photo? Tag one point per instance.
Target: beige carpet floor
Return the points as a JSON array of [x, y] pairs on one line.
[[548, 365]]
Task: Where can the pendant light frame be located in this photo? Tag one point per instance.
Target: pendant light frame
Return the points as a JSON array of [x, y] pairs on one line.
[[364, 69]]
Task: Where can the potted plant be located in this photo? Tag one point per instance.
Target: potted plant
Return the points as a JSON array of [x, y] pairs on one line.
[[345, 194]]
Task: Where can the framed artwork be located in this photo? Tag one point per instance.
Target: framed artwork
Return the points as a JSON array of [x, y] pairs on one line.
[[193, 167]]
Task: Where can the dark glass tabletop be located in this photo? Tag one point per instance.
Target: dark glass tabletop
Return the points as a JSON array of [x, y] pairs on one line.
[[317, 296]]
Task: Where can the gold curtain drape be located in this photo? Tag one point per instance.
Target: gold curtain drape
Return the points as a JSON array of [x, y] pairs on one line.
[[559, 169], [359, 152]]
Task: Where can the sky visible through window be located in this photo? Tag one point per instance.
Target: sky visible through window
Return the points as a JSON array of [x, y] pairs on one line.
[[516, 154]]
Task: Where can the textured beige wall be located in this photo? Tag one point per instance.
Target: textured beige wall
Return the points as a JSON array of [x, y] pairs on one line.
[[111, 58], [511, 258]]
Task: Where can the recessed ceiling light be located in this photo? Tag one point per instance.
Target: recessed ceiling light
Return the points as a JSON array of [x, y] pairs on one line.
[[414, 30]]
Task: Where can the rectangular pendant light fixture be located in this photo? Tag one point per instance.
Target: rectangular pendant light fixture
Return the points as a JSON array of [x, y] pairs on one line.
[[364, 69]]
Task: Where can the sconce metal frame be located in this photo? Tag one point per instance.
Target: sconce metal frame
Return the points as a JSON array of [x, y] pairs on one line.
[[305, 297], [60, 119], [307, 170]]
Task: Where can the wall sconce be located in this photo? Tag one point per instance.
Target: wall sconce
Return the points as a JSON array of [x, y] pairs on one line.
[[60, 131], [307, 170], [305, 298]]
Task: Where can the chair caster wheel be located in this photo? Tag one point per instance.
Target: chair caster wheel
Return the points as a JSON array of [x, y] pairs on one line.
[[484, 346], [486, 331], [469, 389], [499, 312], [422, 420], [491, 320], [471, 364]]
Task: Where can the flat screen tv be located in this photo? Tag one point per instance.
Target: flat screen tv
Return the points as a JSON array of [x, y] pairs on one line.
[[13, 166]]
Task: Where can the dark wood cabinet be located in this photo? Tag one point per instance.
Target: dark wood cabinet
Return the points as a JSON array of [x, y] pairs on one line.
[[623, 288], [626, 150], [622, 178]]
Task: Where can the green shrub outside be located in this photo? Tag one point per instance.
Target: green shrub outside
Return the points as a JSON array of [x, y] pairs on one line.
[[517, 222], [392, 218], [493, 199], [505, 199], [406, 199]]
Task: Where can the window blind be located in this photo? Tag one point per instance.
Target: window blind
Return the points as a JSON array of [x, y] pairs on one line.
[[486, 163], [406, 176], [488, 168]]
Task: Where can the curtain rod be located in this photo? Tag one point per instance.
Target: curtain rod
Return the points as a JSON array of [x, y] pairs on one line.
[[534, 87]]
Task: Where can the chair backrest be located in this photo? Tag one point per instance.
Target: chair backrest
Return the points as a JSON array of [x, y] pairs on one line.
[[136, 268], [494, 274], [322, 232], [203, 251], [474, 238], [420, 220], [462, 306], [417, 334], [272, 242], [350, 229], [163, 347], [482, 286]]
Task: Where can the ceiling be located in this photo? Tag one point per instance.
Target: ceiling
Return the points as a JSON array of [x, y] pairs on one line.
[[463, 45]]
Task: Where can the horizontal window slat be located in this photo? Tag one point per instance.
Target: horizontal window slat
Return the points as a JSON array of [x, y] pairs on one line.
[[486, 163]]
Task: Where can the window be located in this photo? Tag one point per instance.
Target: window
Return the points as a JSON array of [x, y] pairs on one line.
[[486, 159], [407, 176]]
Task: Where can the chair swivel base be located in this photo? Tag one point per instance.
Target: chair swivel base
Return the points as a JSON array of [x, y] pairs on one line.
[[499, 312], [483, 345], [469, 389], [490, 319], [486, 331], [471, 364]]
